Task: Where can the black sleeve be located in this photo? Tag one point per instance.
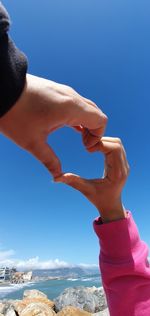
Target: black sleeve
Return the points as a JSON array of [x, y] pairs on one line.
[[13, 66]]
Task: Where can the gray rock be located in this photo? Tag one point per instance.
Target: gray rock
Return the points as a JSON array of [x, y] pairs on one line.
[[7, 310], [2, 305], [90, 299]]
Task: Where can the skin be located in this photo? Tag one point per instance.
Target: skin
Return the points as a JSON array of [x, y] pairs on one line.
[[43, 107], [105, 193]]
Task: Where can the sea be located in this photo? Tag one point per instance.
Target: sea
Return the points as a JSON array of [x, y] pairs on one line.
[[52, 288]]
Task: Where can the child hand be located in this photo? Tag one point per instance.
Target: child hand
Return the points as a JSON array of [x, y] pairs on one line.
[[105, 193]]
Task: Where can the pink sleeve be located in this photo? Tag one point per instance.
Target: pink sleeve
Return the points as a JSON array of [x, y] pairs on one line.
[[124, 267]]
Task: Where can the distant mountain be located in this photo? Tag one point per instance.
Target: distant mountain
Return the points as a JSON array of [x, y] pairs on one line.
[[65, 272]]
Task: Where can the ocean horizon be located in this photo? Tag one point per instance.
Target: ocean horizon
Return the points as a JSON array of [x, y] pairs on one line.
[[52, 288]]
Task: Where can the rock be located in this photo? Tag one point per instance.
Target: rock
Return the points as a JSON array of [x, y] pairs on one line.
[[8, 310], [105, 312], [72, 311], [2, 305], [37, 309], [44, 300], [20, 305], [90, 299], [33, 293]]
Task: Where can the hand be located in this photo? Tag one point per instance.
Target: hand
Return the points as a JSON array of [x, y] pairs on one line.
[[105, 193], [43, 107]]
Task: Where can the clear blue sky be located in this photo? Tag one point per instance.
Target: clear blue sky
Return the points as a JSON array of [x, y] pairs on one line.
[[102, 49]]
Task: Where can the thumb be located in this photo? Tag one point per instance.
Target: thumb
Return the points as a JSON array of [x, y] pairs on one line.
[[43, 152], [76, 182]]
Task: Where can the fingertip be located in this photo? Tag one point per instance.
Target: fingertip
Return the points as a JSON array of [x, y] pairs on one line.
[[96, 147], [61, 178], [91, 150], [79, 128], [68, 178], [105, 118]]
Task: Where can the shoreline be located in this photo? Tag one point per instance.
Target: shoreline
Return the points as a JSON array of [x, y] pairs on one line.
[[52, 286], [77, 301]]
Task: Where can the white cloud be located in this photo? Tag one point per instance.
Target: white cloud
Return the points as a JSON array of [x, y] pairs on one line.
[[5, 254], [88, 266], [36, 263], [6, 259]]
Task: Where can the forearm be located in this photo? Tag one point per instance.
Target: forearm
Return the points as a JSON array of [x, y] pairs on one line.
[[124, 267], [13, 66]]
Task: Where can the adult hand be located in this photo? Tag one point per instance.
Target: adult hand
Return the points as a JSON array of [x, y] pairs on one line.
[[105, 193], [43, 107]]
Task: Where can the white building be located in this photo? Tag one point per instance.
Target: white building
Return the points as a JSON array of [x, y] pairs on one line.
[[5, 274]]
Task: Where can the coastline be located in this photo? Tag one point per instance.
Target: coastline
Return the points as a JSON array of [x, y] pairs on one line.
[[79, 301], [52, 286]]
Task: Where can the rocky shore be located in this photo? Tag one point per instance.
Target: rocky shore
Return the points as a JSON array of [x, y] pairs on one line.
[[79, 301]]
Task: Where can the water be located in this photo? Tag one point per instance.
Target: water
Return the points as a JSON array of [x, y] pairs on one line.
[[52, 288]]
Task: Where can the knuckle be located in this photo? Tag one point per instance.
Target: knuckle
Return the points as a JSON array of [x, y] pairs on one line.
[[105, 119], [118, 147], [92, 103], [68, 89], [120, 177], [69, 99], [102, 119], [118, 140], [124, 176]]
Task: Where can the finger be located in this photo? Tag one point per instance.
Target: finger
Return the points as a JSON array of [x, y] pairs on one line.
[[43, 152], [106, 146], [98, 131], [90, 102], [115, 164], [114, 167], [76, 182], [111, 139], [98, 146], [124, 156], [78, 128], [89, 140], [95, 148], [89, 117], [115, 161]]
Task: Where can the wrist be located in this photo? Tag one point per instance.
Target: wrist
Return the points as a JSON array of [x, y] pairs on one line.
[[112, 211]]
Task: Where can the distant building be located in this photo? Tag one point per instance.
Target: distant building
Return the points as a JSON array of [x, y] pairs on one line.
[[21, 277], [5, 274]]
